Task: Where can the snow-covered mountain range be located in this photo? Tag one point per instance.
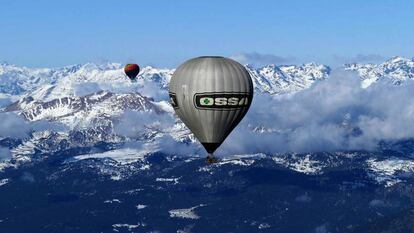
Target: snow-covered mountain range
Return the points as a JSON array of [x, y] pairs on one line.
[[46, 84], [92, 100], [51, 83]]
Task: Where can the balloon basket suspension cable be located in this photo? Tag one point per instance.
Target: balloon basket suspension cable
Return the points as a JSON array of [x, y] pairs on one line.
[[211, 159]]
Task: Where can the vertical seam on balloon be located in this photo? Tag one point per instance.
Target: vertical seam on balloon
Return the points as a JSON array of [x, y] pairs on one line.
[[203, 113], [198, 73], [223, 114], [231, 117], [215, 81]]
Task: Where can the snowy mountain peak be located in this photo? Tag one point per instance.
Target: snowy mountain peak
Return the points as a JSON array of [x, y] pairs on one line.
[[283, 79], [398, 59], [395, 70]]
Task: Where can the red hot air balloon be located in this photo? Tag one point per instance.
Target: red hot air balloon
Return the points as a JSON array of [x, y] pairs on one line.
[[131, 70]]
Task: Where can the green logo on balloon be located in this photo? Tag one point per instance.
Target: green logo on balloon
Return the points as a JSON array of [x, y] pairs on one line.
[[206, 101]]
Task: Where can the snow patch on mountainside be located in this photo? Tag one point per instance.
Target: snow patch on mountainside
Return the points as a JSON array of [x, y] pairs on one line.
[[129, 227], [140, 206], [112, 201], [301, 164], [4, 182], [169, 180], [185, 213], [388, 171], [122, 156]]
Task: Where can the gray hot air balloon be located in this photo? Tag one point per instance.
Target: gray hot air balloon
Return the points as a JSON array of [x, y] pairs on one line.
[[211, 95]]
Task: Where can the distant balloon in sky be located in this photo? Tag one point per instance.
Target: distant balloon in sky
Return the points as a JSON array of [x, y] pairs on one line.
[[131, 70], [211, 95]]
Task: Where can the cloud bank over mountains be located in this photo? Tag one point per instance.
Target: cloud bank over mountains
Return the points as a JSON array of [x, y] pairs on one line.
[[336, 114]]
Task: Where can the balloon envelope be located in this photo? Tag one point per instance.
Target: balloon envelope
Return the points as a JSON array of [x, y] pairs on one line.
[[131, 70], [211, 95]]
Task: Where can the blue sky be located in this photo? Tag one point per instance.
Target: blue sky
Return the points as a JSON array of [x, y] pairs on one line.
[[165, 33]]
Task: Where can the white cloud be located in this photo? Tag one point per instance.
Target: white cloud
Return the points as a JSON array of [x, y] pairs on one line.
[[147, 88], [152, 90], [258, 59], [360, 58], [139, 125], [336, 114], [135, 124], [15, 126], [86, 88], [170, 146]]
